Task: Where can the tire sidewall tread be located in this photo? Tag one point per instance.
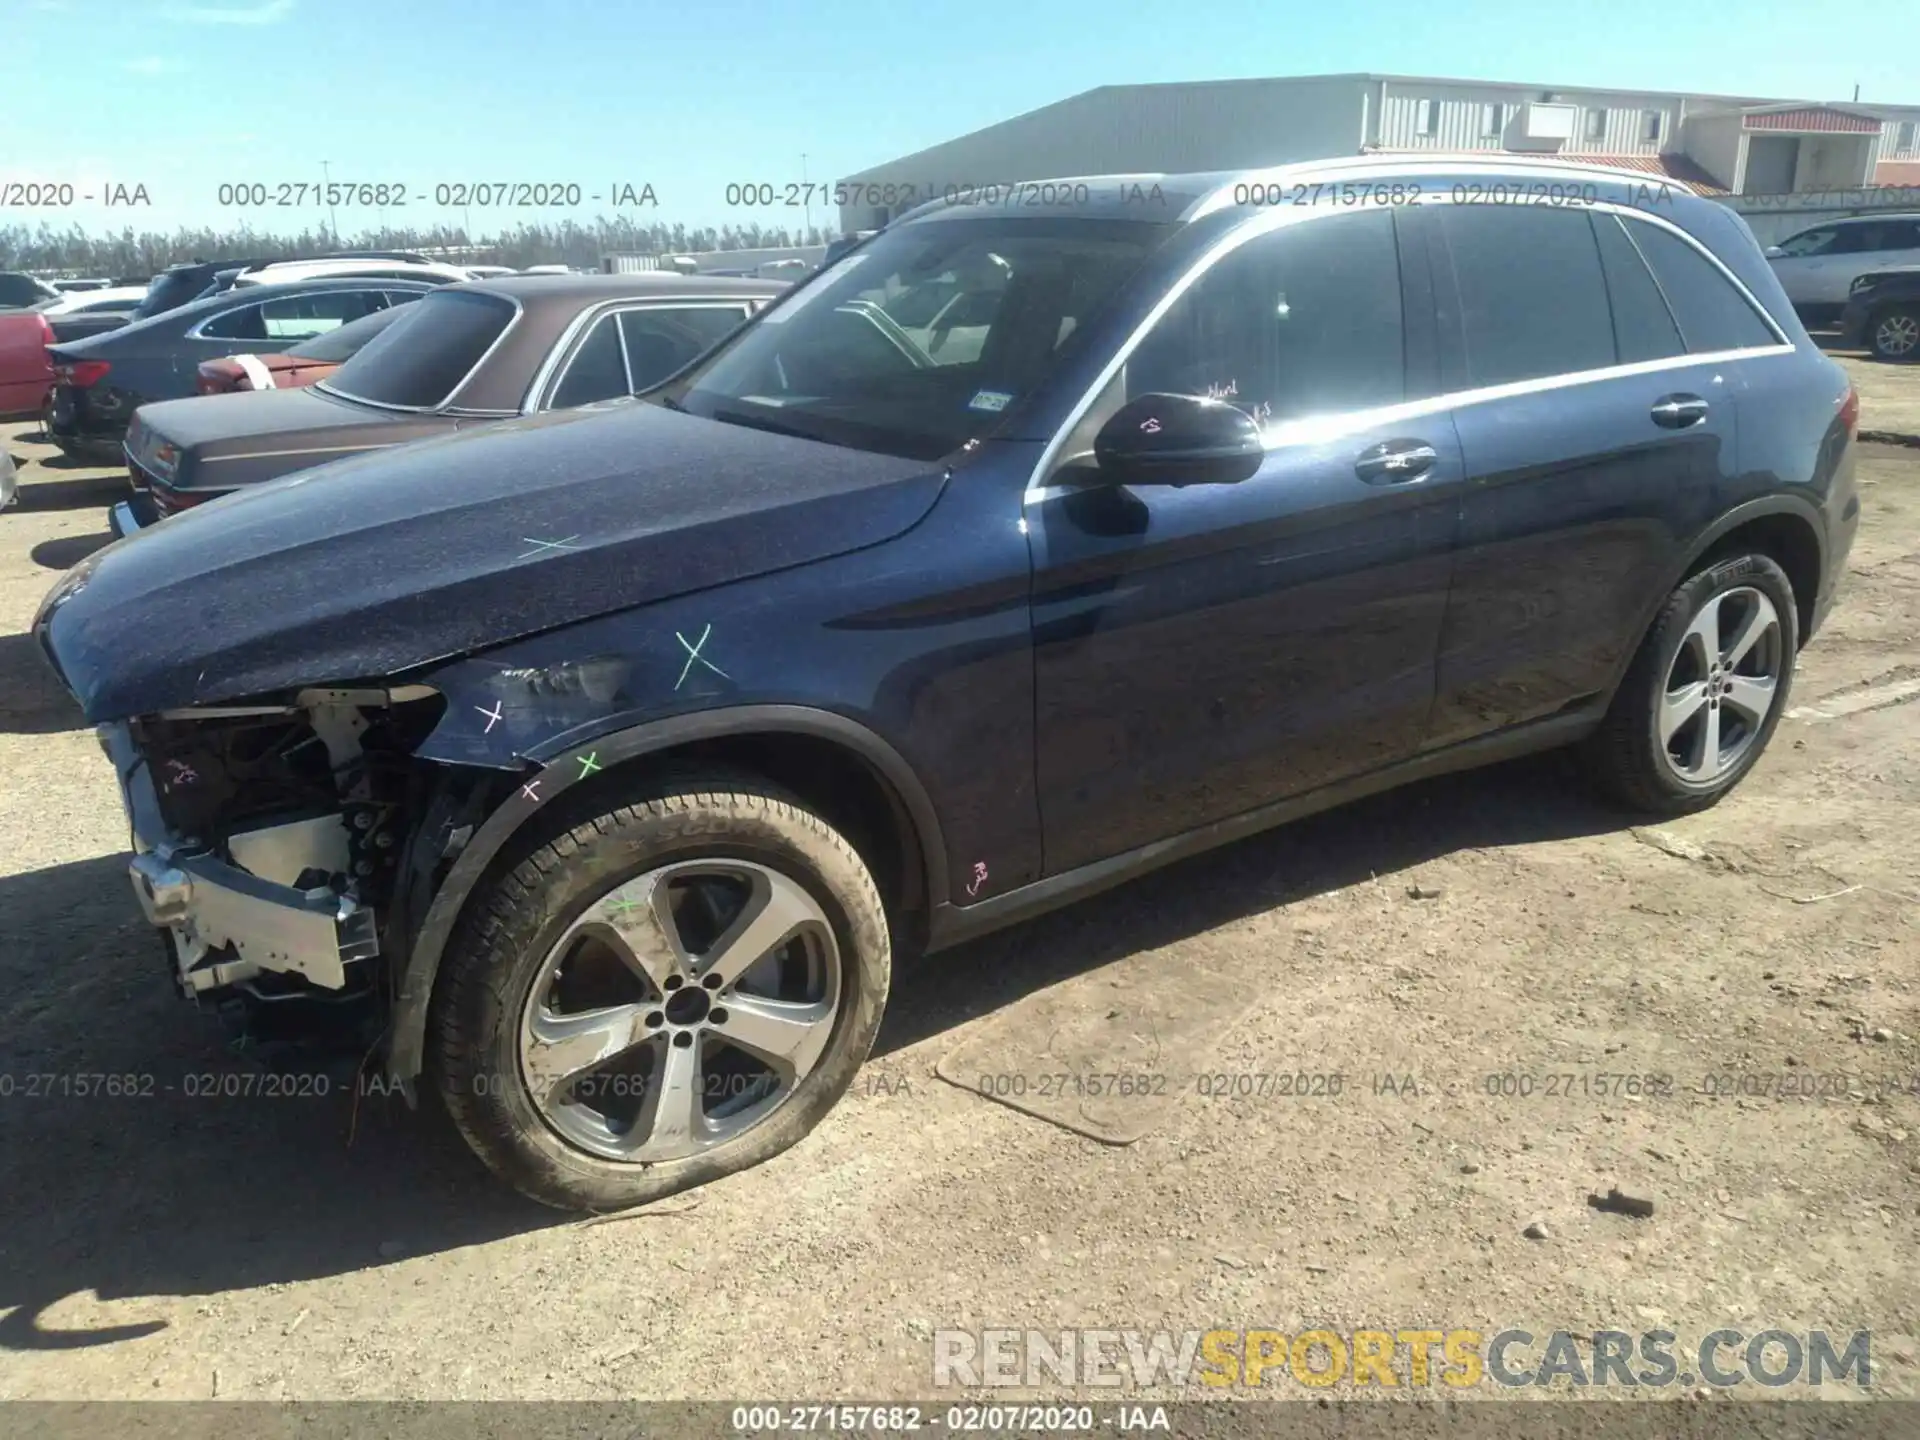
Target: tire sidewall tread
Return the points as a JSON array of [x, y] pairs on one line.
[[506, 930], [1624, 753]]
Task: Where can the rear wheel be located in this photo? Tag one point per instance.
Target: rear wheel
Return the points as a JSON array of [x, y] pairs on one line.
[[1895, 334], [1704, 693], [674, 991]]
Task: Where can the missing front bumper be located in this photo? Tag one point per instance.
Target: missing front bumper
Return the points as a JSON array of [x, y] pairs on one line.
[[229, 926], [229, 922]]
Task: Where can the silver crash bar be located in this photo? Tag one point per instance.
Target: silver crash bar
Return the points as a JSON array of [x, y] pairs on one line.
[[208, 905]]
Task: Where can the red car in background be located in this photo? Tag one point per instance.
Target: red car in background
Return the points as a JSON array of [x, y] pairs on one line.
[[26, 374], [307, 362]]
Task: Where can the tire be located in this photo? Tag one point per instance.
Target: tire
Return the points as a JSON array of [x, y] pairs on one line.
[[538, 945], [1627, 756], [1894, 334]]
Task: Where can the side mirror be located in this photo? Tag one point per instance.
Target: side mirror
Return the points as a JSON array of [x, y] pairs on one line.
[[1179, 440], [1773, 252]]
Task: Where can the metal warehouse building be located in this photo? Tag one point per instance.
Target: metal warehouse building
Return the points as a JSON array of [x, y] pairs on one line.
[[1738, 146]]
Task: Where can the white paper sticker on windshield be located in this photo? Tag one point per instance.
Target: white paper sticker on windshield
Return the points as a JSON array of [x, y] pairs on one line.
[[811, 291], [991, 400]]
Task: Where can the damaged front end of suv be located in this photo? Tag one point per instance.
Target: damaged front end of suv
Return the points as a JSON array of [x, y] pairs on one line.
[[270, 841], [389, 739]]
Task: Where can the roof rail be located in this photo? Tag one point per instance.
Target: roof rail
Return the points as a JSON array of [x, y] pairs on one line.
[[1413, 163]]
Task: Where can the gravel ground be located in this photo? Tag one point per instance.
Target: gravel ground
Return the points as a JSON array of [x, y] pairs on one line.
[[1485, 925]]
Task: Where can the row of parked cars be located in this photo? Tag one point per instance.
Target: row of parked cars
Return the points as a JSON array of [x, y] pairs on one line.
[[607, 754], [1860, 276], [481, 350]]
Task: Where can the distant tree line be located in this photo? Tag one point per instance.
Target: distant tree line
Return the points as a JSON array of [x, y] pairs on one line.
[[568, 242]]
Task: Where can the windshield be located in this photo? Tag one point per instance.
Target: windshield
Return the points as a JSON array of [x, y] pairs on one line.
[[924, 337], [422, 358]]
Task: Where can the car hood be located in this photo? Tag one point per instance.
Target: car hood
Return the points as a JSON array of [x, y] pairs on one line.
[[368, 567]]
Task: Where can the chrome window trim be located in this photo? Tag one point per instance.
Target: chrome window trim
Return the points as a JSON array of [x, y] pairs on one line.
[[445, 407], [547, 378], [194, 332], [1315, 429]]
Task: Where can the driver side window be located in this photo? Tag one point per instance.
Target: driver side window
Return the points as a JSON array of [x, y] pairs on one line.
[[1814, 242], [1304, 320]]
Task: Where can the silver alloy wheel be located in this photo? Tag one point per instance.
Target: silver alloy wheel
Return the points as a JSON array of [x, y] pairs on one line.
[[1721, 686], [680, 1010], [1897, 334]]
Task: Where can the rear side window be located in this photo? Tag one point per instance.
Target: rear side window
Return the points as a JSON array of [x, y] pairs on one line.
[[1643, 327], [422, 358], [294, 317], [596, 371], [661, 340], [1301, 321], [1889, 235], [1713, 315], [1533, 298]]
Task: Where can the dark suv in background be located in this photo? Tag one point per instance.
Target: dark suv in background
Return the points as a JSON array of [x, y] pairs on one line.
[[1883, 315], [611, 755]]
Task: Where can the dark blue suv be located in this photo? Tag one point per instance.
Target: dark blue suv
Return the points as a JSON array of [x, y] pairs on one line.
[[613, 754]]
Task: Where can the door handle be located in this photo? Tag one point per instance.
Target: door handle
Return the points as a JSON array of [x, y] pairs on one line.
[[1395, 462], [1677, 412]]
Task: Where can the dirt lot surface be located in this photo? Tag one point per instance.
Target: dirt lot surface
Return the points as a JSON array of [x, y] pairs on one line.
[[1500, 924]]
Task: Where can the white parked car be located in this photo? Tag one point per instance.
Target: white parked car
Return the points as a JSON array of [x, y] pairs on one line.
[[287, 271], [83, 302], [1818, 266]]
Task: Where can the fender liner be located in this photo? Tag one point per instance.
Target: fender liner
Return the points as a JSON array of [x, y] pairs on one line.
[[1778, 503], [566, 770]]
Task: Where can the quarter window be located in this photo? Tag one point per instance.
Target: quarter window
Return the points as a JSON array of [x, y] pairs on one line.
[[596, 371], [1532, 296], [1643, 327], [1305, 320], [1713, 315]]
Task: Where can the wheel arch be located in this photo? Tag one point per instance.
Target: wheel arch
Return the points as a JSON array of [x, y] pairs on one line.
[[1785, 526], [858, 780]]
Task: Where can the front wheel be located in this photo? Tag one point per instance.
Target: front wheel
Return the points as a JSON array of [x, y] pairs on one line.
[[1894, 334], [1704, 692], [673, 991]]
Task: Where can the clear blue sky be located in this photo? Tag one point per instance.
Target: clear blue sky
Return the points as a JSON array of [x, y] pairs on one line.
[[181, 95]]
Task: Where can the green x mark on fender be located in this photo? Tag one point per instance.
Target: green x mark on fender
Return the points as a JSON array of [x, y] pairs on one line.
[[589, 763]]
